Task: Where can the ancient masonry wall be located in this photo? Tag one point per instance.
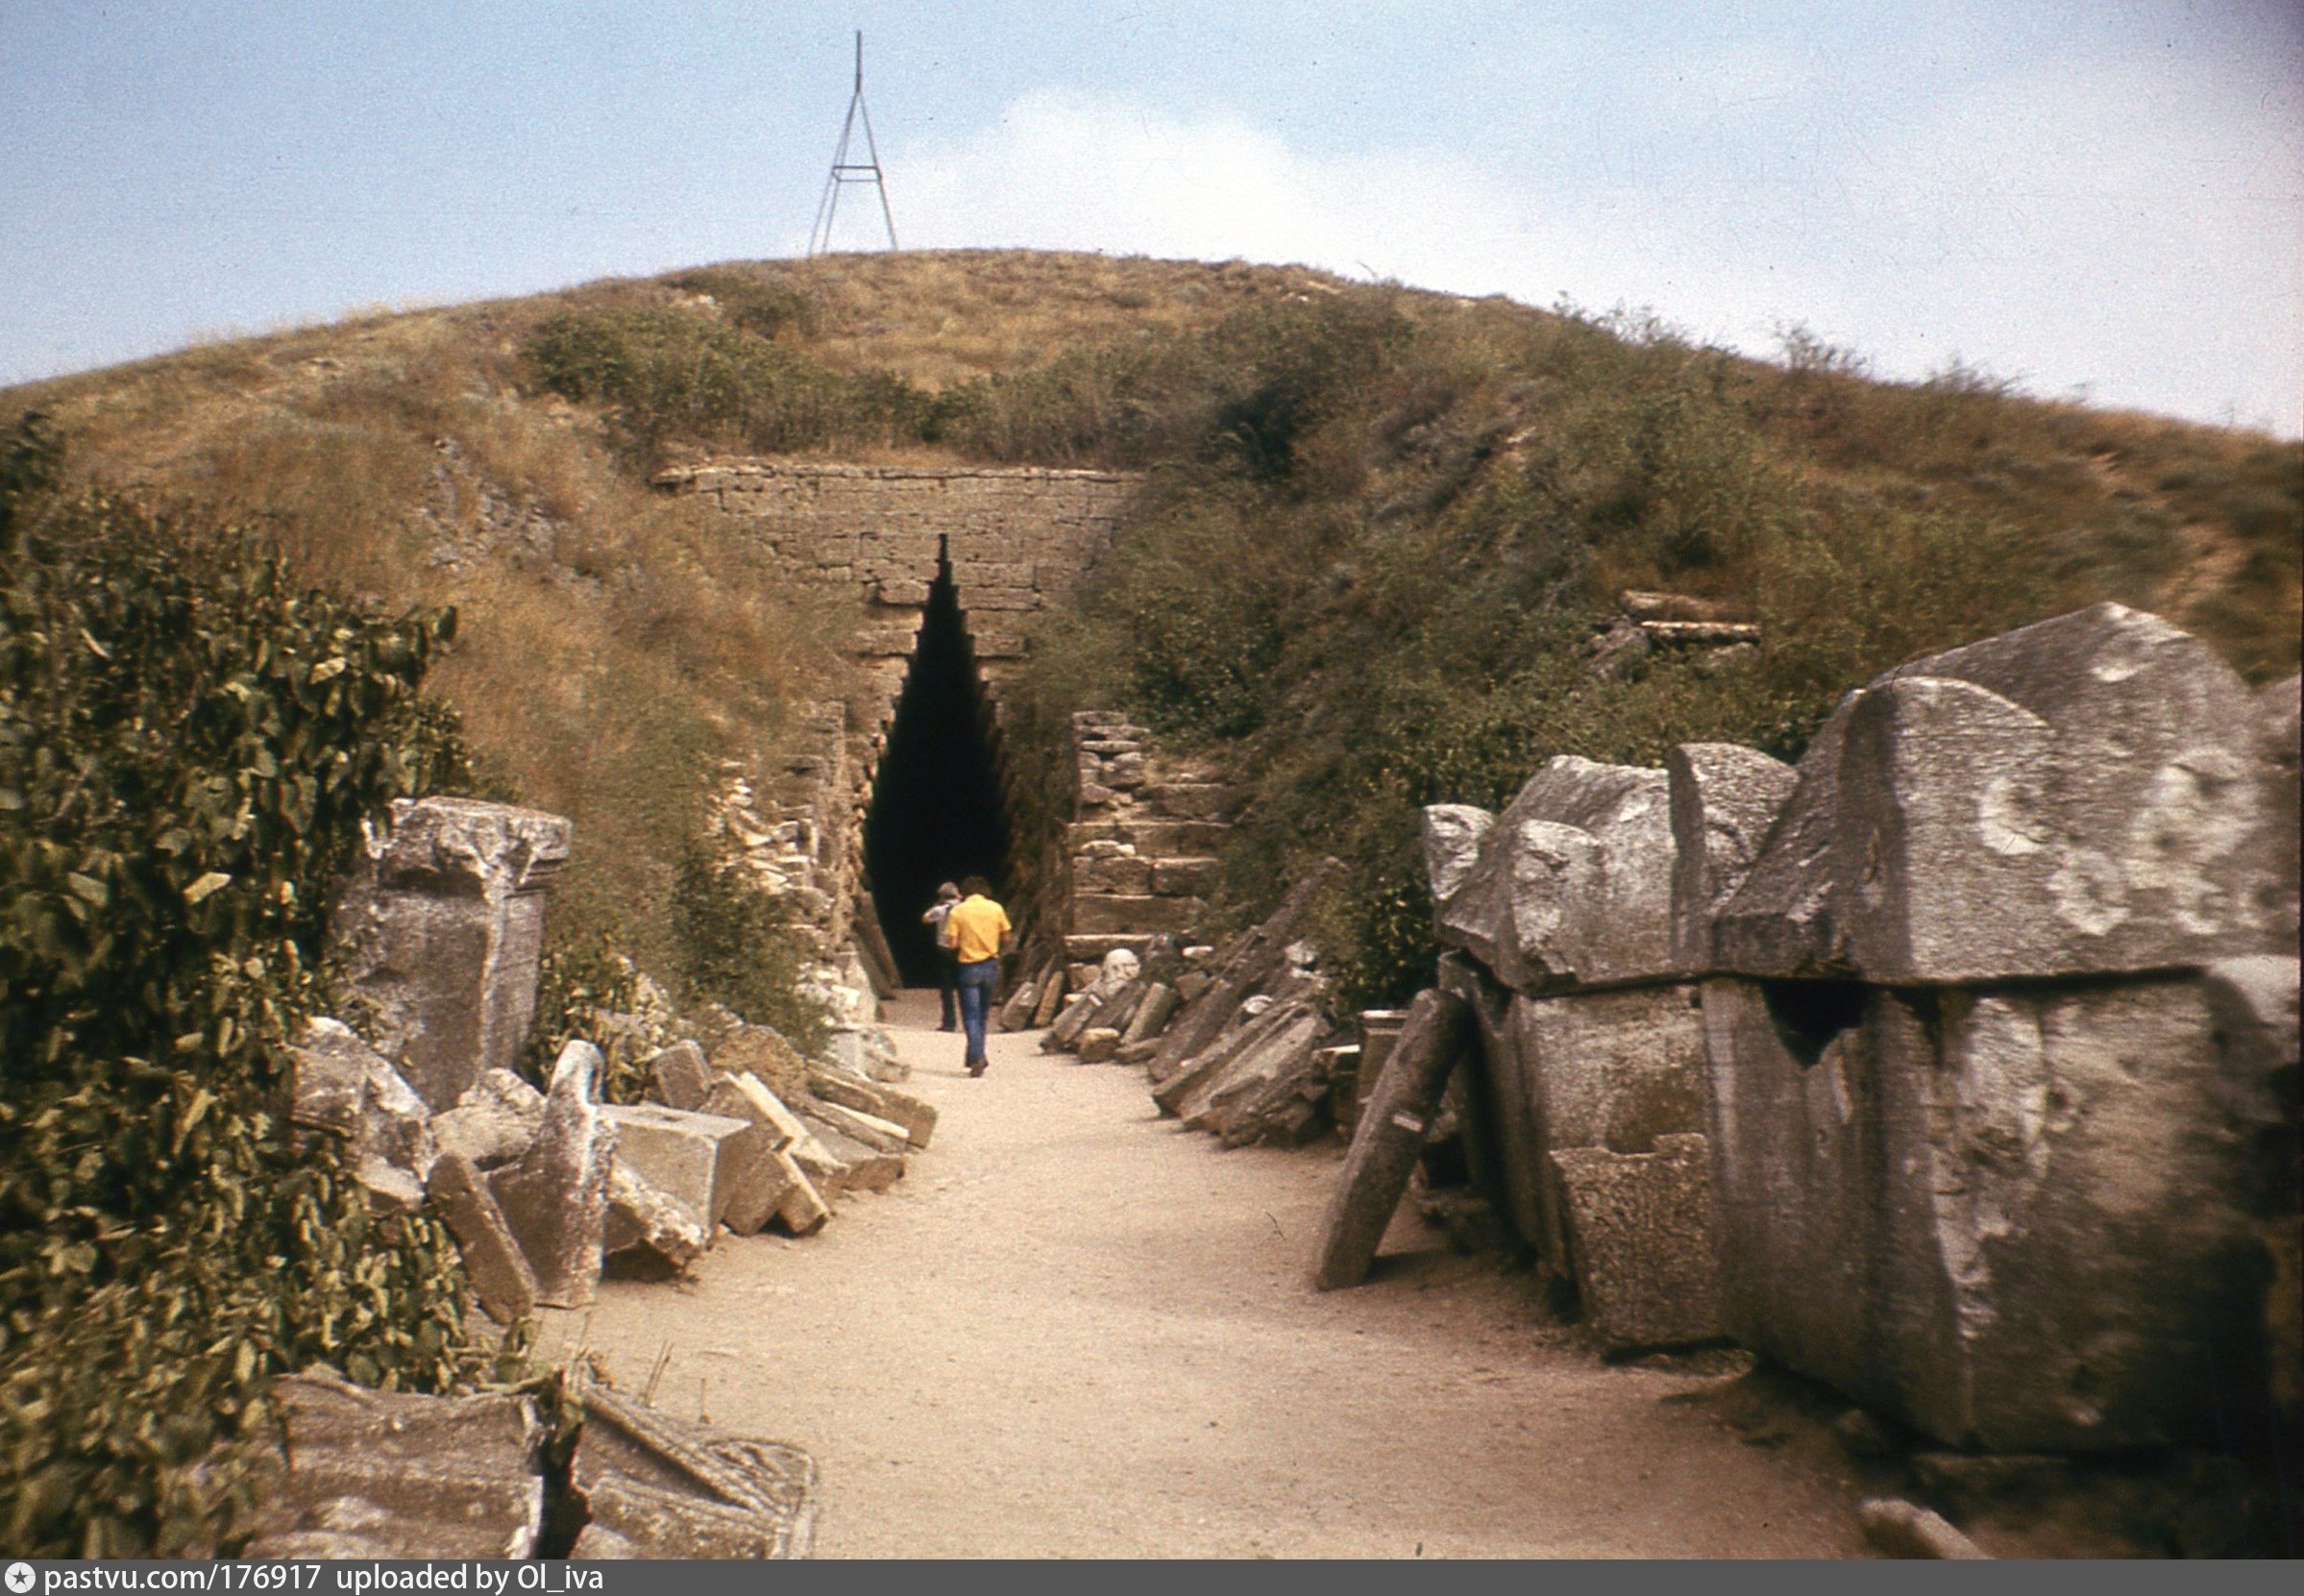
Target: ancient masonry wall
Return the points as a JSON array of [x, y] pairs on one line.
[[1954, 1067], [1015, 540]]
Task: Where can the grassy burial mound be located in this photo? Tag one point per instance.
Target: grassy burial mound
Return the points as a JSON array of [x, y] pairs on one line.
[[1377, 562]]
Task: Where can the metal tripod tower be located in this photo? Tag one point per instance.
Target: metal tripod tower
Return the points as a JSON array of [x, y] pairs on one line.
[[845, 171]]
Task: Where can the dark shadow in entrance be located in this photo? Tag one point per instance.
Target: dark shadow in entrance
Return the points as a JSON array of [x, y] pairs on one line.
[[936, 813]]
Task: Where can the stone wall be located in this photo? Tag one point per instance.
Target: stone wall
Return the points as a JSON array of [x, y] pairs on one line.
[[1955, 1067], [1013, 539]]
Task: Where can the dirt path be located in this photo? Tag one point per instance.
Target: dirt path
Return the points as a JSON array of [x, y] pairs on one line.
[[1075, 1330]]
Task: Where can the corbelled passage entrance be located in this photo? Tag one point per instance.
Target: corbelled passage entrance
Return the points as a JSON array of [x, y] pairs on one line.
[[936, 812]]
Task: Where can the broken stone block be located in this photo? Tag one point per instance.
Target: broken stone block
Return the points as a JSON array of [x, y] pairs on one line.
[[690, 1158], [1151, 1016], [555, 1197], [2080, 796], [803, 1210], [492, 1122], [501, 1280], [431, 1477], [664, 1488], [1278, 1061], [880, 1134], [1572, 883], [1453, 833], [916, 1116], [680, 1077], [1724, 801], [1782, 920], [1098, 1043], [1608, 1070], [2007, 1217], [441, 928], [640, 1216], [1051, 997], [344, 1087], [839, 1164], [1640, 1238], [748, 1098]]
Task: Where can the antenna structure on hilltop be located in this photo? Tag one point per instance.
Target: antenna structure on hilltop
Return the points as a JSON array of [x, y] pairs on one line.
[[845, 171]]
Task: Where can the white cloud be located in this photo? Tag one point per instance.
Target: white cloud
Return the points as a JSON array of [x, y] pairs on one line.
[[2037, 241]]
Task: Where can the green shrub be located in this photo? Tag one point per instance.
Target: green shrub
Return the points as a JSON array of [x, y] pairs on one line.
[[742, 947], [188, 748], [667, 374]]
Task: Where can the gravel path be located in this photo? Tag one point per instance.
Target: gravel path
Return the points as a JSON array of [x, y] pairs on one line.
[[1075, 1330]]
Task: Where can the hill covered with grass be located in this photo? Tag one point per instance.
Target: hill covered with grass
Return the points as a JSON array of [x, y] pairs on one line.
[[1379, 532]]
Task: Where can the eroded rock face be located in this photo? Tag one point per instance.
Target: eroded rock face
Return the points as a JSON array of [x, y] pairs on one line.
[[1573, 882], [2008, 1217], [555, 1196], [441, 928], [2081, 797], [1725, 798]]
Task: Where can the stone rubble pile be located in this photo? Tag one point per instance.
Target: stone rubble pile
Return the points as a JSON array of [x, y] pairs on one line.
[[386, 1475], [440, 932], [1955, 1066]]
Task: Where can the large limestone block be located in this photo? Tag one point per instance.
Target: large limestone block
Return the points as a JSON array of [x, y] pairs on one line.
[[640, 1216], [680, 1077], [441, 928], [690, 1157], [1573, 884], [2081, 797], [1640, 1234], [555, 1196], [431, 1477], [344, 1087], [2008, 1217], [1725, 798]]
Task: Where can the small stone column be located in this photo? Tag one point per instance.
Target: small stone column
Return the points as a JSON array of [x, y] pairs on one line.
[[441, 928]]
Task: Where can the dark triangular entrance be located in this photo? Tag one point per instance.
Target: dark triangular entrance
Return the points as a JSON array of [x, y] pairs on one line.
[[936, 813]]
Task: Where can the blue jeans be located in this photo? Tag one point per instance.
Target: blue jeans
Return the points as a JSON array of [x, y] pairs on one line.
[[977, 982]]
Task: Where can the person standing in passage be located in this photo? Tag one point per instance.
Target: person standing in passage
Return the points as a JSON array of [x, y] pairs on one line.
[[947, 968], [979, 933]]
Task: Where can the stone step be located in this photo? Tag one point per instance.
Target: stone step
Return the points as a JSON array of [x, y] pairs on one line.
[[1115, 912]]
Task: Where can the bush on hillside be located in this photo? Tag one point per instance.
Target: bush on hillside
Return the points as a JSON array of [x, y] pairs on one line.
[[188, 749]]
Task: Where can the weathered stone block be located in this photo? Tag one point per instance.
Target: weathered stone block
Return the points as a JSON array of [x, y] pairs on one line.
[[1196, 801], [441, 928], [640, 1216], [666, 1488], [492, 1122], [1098, 1043], [555, 1197], [344, 1087], [1114, 873], [689, 1157], [2006, 1216], [680, 1077], [430, 1477], [2080, 796], [1572, 883], [1641, 1238], [499, 1270], [1724, 801], [1453, 834]]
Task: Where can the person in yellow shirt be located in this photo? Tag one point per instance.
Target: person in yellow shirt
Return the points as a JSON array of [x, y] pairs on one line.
[[977, 931]]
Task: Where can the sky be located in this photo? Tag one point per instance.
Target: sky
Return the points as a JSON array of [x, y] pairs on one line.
[[2101, 200]]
